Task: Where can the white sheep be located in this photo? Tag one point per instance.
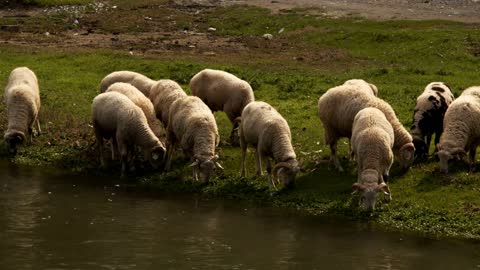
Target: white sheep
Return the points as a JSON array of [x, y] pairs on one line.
[[337, 109], [461, 129], [192, 127], [223, 91], [268, 132], [140, 81], [115, 116], [22, 100], [362, 85], [141, 101], [372, 142], [162, 94], [428, 116]]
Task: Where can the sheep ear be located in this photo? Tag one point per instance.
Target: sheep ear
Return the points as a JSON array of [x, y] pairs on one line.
[[195, 163], [408, 151], [459, 153], [356, 188], [218, 165], [383, 187]]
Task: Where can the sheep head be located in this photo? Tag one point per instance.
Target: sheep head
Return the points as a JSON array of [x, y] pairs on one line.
[[421, 148], [286, 172], [205, 166], [12, 139], [446, 155], [156, 155], [369, 189], [374, 89], [406, 155]]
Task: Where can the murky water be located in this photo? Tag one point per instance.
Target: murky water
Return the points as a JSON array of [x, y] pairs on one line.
[[50, 221]]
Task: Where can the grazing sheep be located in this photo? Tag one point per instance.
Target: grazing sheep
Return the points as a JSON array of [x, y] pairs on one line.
[[337, 109], [372, 142], [191, 126], [22, 100], [163, 93], [223, 91], [428, 116], [268, 132], [462, 129], [141, 82], [363, 86], [141, 101], [115, 116]]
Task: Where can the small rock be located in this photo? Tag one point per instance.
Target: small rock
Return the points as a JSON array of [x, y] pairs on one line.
[[76, 21], [114, 7], [281, 30], [209, 53], [47, 34], [212, 29], [148, 18], [268, 36]]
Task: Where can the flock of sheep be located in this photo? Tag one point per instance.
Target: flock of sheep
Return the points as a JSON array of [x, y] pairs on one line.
[[130, 104]]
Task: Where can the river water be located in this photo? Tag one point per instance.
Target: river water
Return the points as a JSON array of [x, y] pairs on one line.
[[55, 221]]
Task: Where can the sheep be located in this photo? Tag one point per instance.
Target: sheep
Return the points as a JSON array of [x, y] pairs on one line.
[[192, 127], [223, 91], [141, 82], [163, 93], [462, 129], [115, 116], [266, 130], [337, 109], [22, 100], [141, 101], [372, 142], [362, 85], [428, 116]]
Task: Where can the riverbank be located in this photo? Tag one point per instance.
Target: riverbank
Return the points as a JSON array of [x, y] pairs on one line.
[[290, 71]]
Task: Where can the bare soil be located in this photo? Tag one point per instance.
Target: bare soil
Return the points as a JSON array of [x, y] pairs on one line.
[[467, 11]]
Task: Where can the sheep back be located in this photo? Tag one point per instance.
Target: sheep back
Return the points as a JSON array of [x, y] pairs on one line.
[[141, 82], [264, 128], [194, 127], [22, 100], [139, 99], [372, 140], [163, 94], [461, 122], [222, 91], [362, 85]]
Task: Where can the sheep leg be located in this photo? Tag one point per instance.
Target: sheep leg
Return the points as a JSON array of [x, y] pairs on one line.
[[243, 146], [170, 144], [124, 160], [437, 139], [472, 153], [130, 160], [99, 139], [271, 181], [30, 134], [114, 148], [334, 157], [195, 176], [429, 140], [39, 130], [258, 161]]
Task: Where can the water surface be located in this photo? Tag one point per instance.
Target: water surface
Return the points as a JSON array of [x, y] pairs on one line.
[[56, 221]]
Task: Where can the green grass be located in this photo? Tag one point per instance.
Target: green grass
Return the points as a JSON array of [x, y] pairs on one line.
[[55, 2], [400, 57]]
